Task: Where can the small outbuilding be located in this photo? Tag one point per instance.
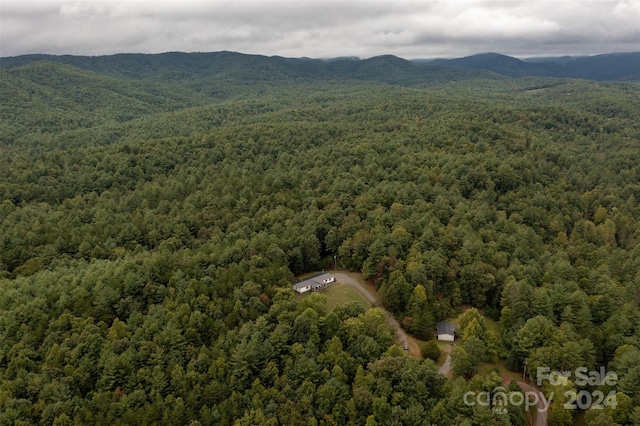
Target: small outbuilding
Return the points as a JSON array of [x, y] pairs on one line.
[[446, 331]]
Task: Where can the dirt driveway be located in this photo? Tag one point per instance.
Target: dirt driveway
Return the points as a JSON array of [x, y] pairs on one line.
[[445, 368], [541, 417], [408, 343], [344, 278], [405, 341]]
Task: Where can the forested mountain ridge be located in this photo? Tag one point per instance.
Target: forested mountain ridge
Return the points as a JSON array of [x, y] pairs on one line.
[[151, 226], [46, 97], [250, 69], [606, 67], [613, 66]]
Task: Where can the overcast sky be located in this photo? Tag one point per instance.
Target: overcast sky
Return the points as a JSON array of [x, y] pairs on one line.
[[320, 29]]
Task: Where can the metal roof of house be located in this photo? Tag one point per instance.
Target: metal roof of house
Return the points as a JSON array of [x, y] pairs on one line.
[[445, 327], [312, 281], [301, 284]]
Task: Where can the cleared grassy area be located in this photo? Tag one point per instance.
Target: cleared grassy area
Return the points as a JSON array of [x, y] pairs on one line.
[[357, 276], [499, 366], [338, 294], [492, 325], [414, 347]]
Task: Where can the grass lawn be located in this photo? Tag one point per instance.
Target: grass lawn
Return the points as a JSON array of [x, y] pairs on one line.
[[338, 294], [499, 366], [444, 345], [357, 276], [492, 325]]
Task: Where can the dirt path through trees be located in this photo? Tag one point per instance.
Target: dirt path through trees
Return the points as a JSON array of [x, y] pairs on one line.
[[541, 418], [375, 300], [405, 342]]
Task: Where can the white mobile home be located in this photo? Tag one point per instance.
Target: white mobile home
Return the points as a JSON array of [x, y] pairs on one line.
[[302, 287], [317, 283]]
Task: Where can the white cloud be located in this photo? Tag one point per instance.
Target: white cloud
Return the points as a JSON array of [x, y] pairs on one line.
[[320, 28], [498, 23]]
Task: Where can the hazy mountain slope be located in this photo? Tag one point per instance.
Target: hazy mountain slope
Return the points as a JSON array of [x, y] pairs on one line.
[[50, 97], [615, 66], [207, 70], [386, 68], [82, 92], [500, 64]]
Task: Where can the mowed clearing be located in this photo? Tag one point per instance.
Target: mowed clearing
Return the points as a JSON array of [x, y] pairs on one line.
[[349, 287], [340, 293]]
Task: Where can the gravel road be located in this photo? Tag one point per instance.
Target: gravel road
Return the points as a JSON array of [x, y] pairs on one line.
[[445, 368], [541, 419], [402, 336]]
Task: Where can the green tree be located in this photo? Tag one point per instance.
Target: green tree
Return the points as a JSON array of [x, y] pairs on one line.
[[395, 292], [430, 350]]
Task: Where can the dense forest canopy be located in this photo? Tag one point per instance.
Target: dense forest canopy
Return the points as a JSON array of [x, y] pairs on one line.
[[151, 225]]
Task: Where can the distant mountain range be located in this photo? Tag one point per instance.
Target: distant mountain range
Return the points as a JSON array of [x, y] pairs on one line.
[[388, 68], [613, 66]]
